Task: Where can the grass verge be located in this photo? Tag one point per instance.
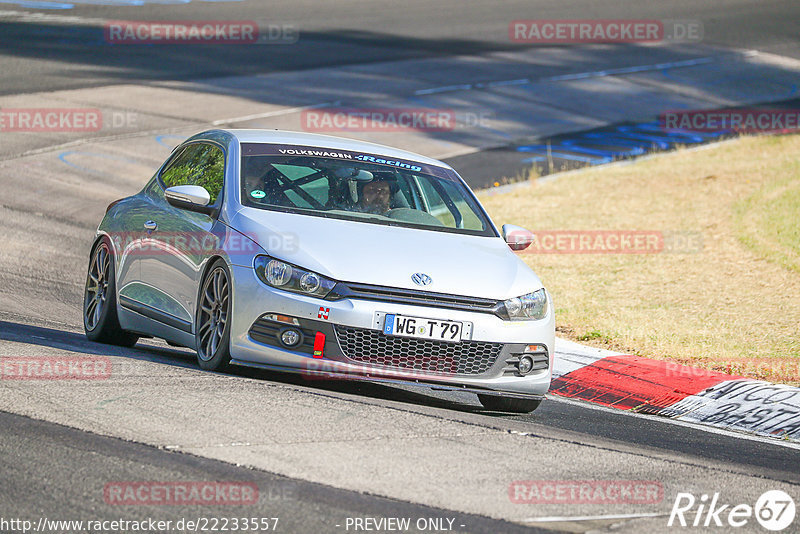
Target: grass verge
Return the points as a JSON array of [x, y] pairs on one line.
[[723, 294]]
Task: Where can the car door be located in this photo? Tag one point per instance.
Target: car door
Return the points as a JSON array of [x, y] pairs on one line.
[[124, 226], [177, 242]]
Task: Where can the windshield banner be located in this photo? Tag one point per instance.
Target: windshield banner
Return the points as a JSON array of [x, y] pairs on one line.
[[265, 149]]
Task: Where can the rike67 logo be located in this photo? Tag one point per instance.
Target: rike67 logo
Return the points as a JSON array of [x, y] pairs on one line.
[[774, 510]]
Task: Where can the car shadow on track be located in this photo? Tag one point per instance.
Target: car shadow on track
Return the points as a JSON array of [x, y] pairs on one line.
[[153, 351], [407, 394], [77, 342]]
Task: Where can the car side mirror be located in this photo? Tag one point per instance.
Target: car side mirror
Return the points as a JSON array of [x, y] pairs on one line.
[[189, 197], [518, 238]]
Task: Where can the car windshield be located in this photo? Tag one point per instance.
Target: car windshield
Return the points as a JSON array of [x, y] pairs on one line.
[[359, 187]]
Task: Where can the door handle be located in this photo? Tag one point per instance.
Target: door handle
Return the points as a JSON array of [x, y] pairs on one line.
[[150, 226]]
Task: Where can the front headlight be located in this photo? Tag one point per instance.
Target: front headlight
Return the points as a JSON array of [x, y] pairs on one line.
[[529, 306], [282, 275]]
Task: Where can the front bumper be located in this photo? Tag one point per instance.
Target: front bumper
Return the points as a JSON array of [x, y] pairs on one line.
[[355, 347]]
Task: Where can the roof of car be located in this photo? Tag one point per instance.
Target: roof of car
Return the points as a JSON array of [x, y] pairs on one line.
[[286, 137]]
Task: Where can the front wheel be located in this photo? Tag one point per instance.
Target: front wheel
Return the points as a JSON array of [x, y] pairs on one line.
[[100, 320], [213, 330], [497, 403]]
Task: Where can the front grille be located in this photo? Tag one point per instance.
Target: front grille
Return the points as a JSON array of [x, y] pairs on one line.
[[415, 297], [374, 347]]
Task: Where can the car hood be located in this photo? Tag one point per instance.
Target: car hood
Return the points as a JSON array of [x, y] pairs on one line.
[[381, 255]]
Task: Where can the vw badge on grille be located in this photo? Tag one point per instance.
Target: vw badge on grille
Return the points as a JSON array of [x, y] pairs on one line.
[[421, 279]]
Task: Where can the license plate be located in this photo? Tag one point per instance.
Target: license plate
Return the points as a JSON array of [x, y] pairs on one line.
[[422, 327]]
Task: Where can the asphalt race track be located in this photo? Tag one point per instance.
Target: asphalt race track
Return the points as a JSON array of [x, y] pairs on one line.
[[323, 453]]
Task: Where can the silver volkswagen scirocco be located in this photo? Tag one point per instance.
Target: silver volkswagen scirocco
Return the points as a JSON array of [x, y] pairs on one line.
[[333, 258]]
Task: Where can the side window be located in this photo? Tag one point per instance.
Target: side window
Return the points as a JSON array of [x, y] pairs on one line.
[[458, 214], [198, 164], [434, 203], [470, 220]]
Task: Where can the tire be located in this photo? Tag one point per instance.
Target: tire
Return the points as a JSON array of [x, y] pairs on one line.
[[213, 332], [497, 403], [100, 321]]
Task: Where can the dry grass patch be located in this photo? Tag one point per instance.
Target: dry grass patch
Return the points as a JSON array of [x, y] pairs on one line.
[[733, 306]]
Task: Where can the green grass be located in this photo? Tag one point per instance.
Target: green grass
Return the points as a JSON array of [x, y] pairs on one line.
[[769, 222], [731, 304]]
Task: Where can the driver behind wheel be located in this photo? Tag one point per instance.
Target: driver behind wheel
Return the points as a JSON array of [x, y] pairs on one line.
[[375, 197]]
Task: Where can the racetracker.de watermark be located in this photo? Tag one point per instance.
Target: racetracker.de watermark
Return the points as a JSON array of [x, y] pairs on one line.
[[585, 492], [387, 120], [166, 242], [55, 368], [151, 493], [731, 120], [608, 241], [740, 366], [64, 119], [50, 120], [577, 31], [318, 368], [216, 32]]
